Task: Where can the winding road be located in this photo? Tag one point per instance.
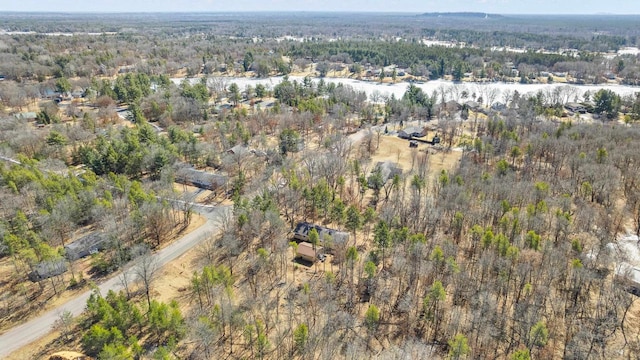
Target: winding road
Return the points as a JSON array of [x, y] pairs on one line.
[[32, 330]]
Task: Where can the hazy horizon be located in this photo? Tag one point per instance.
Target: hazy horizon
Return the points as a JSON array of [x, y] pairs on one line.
[[506, 7]]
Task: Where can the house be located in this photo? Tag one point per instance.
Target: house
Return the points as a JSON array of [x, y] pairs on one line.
[[223, 107], [49, 93], [475, 107], [77, 93], [329, 238], [259, 153], [411, 132], [187, 175], [126, 69], [47, 269], [413, 144], [243, 150], [610, 76], [450, 106], [238, 150], [86, 245], [498, 106], [306, 252], [26, 115], [576, 107]]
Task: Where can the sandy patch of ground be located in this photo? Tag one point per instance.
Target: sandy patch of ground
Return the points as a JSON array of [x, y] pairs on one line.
[[395, 149], [175, 277], [67, 355], [174, 280]]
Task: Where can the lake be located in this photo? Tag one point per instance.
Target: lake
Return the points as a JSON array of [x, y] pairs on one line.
[[488, 92]]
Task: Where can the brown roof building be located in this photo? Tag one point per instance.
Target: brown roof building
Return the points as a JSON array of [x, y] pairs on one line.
[[306, 252]]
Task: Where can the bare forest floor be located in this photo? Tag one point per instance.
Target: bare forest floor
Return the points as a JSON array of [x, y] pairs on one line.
[[174, 280]]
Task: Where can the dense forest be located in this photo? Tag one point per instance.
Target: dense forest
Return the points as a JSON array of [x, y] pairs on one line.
[[156, 44], [496, 241]]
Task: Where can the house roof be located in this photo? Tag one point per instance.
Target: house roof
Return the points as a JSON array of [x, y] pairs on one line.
[[26, 115], [472, 105], [48, 92], [238, 149], [81, 247], [450, 105], [337, 237], [47, 269], [498, 106], [411, 131], [90, 239], [306, 249], [199, 178], [574, 105]]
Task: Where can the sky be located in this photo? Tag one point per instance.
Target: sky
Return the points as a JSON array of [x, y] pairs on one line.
[[412, 6]]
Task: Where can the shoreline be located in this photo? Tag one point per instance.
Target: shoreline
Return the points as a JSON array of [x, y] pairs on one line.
[[489, 92]]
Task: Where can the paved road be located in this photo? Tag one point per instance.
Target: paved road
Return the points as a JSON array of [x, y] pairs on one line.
[[9, 160], [34, 329]]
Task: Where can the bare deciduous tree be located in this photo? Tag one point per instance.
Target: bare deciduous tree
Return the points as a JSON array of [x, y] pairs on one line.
[[145, 271]]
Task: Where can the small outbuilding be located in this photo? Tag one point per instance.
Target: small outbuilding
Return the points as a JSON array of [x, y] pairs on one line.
[[307, 253]]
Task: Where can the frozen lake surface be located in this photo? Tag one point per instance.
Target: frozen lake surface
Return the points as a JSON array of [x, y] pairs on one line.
[[489, 92]]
